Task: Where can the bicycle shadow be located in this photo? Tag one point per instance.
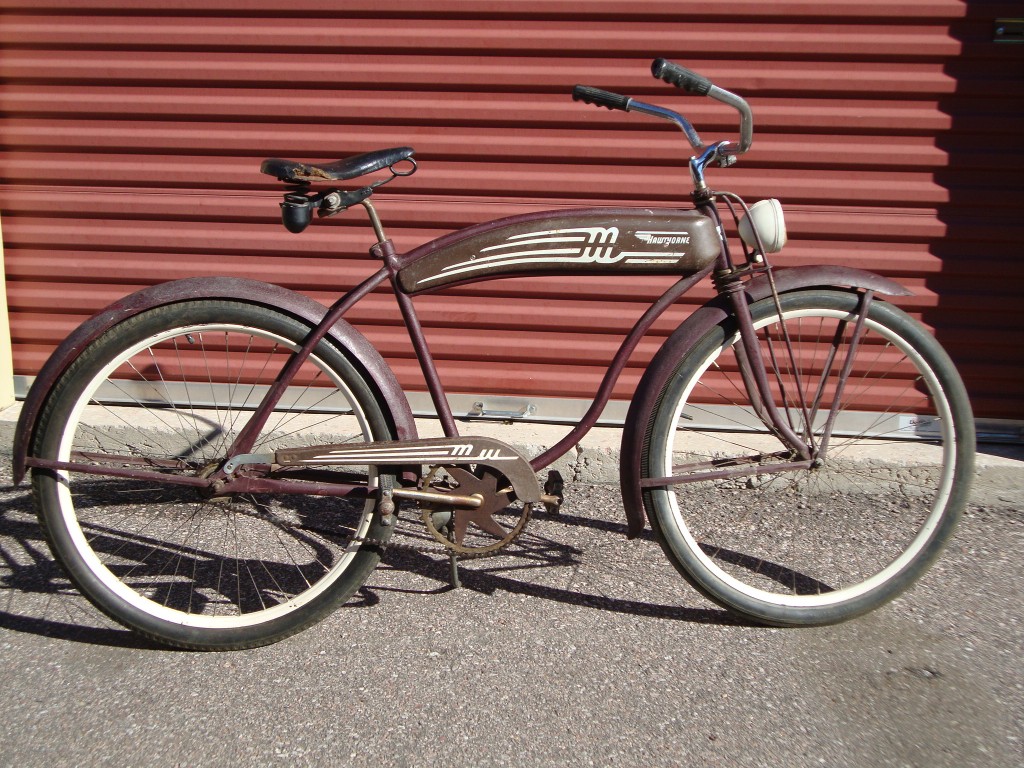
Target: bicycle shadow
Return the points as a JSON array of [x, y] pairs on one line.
[[37, 598], [544, 556], [489, 582]]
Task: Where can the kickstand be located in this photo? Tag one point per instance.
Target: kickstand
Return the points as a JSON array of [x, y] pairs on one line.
[[453, 570], [453, 559]]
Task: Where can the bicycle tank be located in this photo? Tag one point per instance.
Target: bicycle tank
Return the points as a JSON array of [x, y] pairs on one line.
[[567, 242]]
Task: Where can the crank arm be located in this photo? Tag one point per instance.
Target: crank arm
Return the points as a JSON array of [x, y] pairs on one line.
[[453, 500], [448, 499]]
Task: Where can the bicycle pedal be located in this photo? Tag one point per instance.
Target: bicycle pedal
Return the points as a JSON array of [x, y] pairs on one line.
[[554, 488]]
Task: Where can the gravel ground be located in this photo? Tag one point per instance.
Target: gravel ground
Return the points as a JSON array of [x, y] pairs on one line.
[[586, 649]]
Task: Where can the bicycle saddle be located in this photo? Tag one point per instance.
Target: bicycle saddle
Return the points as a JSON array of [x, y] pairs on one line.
[[349, 168]]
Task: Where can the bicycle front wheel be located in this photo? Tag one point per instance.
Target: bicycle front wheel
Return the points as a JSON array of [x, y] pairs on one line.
[[167, 392], [786, 544]]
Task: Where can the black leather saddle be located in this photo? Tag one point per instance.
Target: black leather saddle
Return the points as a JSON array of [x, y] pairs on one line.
[[349, 168]]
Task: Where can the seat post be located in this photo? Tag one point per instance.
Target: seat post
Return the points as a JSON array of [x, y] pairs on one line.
[[378, 228]]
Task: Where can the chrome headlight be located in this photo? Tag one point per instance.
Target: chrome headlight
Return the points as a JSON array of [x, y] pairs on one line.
[[770, 223]]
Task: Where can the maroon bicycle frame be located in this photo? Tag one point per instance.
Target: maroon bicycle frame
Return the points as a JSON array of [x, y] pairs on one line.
[[396, 265], [706, 251]]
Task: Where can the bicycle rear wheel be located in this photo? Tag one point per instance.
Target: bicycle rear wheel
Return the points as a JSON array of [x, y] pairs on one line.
[[167, 391], [822, 544]]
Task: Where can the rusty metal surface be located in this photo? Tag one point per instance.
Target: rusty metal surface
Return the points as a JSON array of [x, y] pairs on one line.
[[132, 139], [566, 244]]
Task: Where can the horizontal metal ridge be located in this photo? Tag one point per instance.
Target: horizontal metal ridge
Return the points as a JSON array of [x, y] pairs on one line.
[[915, 39], [495, 73], [855, 9]]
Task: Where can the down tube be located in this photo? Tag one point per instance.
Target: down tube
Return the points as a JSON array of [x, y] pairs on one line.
[[629, 344]]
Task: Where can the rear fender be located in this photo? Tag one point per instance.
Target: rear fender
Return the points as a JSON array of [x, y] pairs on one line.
[[689, 333], [302, 307]]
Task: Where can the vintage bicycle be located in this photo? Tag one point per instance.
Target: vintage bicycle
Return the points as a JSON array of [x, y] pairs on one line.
[[801, 447]]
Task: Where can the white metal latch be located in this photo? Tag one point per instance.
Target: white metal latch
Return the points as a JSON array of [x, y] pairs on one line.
[[516, 411]]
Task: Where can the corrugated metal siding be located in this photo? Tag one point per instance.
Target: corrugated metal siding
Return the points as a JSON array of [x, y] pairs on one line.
[[133, 136]]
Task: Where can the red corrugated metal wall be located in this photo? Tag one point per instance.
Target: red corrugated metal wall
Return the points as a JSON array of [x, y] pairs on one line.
[[133, 134]]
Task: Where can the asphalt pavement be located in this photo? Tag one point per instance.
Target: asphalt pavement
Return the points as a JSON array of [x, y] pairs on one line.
[[584, 649]]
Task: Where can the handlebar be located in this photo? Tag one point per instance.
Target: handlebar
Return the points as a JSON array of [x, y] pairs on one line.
[[689, 81], [600, 98], [681, 77]]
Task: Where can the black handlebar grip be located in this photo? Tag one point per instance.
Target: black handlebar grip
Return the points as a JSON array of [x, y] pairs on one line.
[[600, 98], [681, 77]]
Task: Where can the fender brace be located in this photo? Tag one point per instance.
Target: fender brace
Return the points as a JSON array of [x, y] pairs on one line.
[[689, 333]]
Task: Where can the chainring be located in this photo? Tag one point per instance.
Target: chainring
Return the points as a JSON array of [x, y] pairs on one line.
[[479, 531]]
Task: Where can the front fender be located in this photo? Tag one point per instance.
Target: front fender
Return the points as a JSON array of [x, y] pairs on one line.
[[302, 307], [689, 333]]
